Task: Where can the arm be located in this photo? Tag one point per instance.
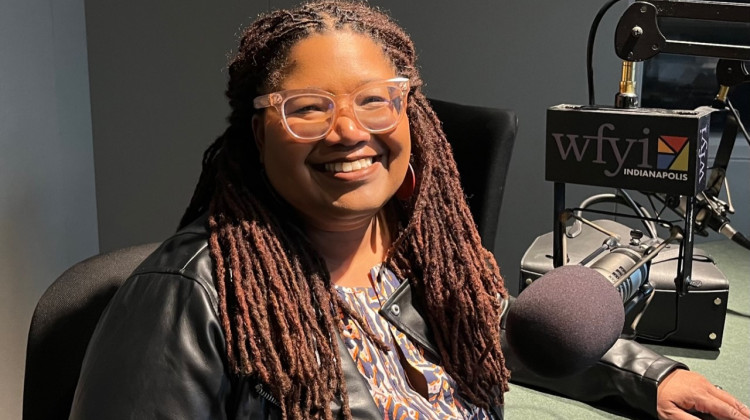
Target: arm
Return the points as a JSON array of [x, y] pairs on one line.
[[157, 352], [640, 377], [628, 371]]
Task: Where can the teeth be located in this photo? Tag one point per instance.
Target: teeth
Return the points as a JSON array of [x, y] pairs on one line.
[[349, 166]]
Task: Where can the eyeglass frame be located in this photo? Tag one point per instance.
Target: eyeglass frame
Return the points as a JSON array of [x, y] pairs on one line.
[[278, 99]]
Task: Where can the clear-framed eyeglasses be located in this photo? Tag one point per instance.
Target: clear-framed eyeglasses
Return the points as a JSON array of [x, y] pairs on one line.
[[310, 114]]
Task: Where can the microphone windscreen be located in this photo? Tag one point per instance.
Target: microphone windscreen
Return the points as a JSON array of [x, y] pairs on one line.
[[565, 321]]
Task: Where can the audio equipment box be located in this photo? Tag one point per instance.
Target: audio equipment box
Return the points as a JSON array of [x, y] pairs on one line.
[[693, 320]]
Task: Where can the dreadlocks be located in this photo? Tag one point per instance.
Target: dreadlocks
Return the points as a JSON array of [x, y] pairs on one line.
[[278, 307]]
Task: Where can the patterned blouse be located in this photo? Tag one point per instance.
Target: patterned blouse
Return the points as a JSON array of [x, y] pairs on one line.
[[384, 372]]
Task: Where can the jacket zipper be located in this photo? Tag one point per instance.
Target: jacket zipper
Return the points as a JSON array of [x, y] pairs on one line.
[[266, 395]]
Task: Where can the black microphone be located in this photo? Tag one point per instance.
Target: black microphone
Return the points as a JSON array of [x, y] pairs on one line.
[[710, 212], [721, 225], [565, 321]]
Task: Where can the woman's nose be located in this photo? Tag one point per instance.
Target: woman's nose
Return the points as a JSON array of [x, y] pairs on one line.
[[347, 129]]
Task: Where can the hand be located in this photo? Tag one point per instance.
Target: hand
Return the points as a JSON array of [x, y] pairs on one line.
[[684, 392]]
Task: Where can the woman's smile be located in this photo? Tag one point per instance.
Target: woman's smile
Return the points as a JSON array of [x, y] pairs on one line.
[[348, 166]]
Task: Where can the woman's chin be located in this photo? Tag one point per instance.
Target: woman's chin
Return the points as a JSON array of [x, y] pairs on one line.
[[346, 213]]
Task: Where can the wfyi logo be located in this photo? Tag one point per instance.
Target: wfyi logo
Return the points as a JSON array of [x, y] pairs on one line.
[[672, 157]]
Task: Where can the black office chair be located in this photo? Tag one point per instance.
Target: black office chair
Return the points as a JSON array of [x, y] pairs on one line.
[[69, 310], [482, 140], [62, 325]]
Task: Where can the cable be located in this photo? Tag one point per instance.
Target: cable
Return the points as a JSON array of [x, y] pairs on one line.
[[640, 210], [621, 198], [719, 223], [741, 239], [739, 121], [590, 48]]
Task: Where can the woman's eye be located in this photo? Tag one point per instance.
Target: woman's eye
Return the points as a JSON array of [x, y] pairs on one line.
[[373, 100], [305, 106], [304, 110]]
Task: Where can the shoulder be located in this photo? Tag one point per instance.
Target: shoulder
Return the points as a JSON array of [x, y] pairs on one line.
[[159, 348], [182, 258]]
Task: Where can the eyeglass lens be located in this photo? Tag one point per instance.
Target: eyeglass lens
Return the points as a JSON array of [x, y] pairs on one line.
[[376, 108]]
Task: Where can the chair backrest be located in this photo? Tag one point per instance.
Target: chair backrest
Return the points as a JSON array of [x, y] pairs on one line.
[[67, 313], [62, 325], [482, 140]]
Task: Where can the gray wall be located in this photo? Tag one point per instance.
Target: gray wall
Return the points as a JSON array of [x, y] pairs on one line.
[[47, 203], [157, 92]]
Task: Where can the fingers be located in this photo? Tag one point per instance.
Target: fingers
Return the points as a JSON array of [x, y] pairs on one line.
[[722, 405], [744, 409], [676, 414], [684, 393], [736, 409]]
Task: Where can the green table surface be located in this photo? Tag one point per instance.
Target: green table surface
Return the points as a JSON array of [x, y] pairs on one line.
[[728, 367]]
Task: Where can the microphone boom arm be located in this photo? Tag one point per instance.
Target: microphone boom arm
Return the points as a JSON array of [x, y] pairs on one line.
[[638, 37]]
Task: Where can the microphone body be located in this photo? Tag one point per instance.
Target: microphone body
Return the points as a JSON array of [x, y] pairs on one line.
[[565, 321], [614, 265]]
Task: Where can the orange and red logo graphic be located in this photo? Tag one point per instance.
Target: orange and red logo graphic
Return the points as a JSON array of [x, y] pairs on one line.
[[674, 153]]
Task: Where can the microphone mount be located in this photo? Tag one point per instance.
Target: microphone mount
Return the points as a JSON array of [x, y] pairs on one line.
[[638, 37], [711, 211]]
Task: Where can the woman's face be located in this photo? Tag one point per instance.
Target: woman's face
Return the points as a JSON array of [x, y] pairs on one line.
[[331, 181]]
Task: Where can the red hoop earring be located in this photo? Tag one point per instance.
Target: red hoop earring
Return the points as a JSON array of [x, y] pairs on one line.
[[407, 187]]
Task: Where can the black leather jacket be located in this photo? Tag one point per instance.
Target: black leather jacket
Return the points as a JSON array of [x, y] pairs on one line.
[[158, 352]]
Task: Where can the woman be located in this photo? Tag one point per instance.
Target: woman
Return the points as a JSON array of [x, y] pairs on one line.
[[331, 195]]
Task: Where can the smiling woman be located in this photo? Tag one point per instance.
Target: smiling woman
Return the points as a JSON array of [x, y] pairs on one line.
[[294, 238], [328, 265], [318, 177]]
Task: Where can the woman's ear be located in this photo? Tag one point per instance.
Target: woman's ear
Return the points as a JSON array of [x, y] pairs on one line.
[[259, 132]]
